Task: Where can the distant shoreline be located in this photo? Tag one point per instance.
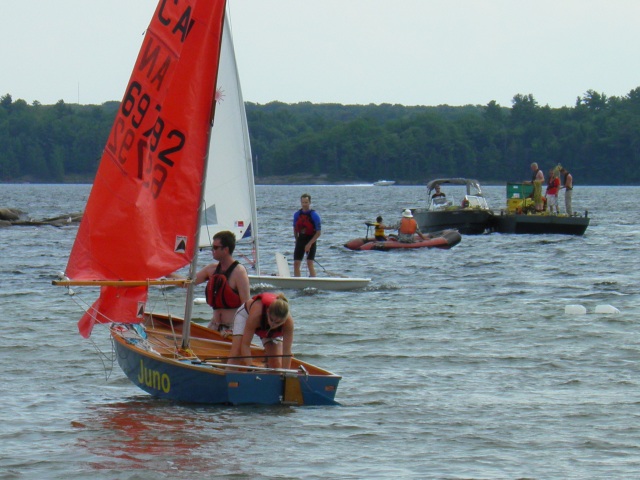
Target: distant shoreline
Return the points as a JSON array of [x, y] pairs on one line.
[[271, 180], [279, 180]]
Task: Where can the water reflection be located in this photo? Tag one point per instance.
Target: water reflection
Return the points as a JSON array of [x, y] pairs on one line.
[[155, 435]]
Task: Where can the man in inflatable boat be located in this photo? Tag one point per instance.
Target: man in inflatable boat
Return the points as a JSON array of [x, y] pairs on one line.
[[408, 227]]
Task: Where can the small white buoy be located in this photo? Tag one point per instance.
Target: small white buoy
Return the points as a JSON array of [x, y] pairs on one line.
[[575, 310], [199, 301], [606, 309]]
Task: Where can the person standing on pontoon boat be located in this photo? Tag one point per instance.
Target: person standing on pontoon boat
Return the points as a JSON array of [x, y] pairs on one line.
[[553, 187], [537, 180], [568, 190], [227, 283], [306, 230]]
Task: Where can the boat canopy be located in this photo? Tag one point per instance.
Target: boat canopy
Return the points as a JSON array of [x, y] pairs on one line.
[[473, 187]]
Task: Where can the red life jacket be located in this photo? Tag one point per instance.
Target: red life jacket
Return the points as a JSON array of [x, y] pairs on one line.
[[263, 330], [218, 292], [304, 224]]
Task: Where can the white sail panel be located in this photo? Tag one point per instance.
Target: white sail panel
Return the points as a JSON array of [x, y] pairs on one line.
[[229, 199]]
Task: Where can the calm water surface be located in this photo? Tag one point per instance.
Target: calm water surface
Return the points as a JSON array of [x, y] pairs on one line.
[[456, 364]]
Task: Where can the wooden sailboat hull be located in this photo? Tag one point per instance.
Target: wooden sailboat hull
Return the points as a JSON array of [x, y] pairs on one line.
[[152, 364]]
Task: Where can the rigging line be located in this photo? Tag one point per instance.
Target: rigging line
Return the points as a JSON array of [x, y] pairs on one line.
[[323, 269], [165, 299], [173, 331], [107, 361], [249, 261], [333, 274]]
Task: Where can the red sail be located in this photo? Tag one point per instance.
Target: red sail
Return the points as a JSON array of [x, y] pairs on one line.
[[124, 304], [141, 217]]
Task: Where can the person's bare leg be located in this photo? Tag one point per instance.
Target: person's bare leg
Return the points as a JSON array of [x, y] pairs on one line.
[[312, 268], [296, 268]]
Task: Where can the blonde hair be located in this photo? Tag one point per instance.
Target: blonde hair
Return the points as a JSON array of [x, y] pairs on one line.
[[280, 307]]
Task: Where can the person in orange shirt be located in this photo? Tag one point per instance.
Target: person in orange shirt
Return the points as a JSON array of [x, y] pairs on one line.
[[408, 228]]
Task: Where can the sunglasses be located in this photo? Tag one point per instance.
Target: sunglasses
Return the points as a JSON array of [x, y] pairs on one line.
[[216, 247]]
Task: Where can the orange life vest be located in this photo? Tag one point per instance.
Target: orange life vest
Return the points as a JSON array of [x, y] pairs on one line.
[[408, 226]]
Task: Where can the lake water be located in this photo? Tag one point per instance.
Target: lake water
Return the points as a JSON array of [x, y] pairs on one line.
[[456, 364]]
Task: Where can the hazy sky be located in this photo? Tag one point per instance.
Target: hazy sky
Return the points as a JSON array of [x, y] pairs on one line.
[[411, 52]]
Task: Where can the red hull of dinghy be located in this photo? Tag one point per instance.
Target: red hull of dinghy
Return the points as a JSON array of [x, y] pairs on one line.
[[444, 239]]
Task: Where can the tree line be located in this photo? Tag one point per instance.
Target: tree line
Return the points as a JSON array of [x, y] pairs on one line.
[[598, 140]]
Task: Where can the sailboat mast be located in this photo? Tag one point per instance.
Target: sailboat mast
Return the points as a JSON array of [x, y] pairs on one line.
[[252, 194], [248, 159], [193, 267]]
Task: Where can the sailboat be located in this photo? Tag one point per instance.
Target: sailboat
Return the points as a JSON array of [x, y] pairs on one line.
[[142, 223], [229, 194]]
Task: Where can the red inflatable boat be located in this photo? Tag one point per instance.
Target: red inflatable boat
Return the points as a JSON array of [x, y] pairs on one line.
[[443, 239]]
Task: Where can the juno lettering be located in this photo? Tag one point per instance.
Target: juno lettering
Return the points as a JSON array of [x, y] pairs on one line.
[[153, 378]]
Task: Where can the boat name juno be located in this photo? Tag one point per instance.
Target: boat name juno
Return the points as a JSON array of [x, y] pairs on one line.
[[154, 379]]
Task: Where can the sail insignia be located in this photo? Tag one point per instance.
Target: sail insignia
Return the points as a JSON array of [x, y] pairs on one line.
[[181, 244]]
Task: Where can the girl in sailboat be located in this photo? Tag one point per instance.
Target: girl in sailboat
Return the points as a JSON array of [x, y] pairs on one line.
[[267, 316], [227, 283]]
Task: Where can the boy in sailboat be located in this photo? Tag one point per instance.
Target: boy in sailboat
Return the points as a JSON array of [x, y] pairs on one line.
[[227, 283]]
